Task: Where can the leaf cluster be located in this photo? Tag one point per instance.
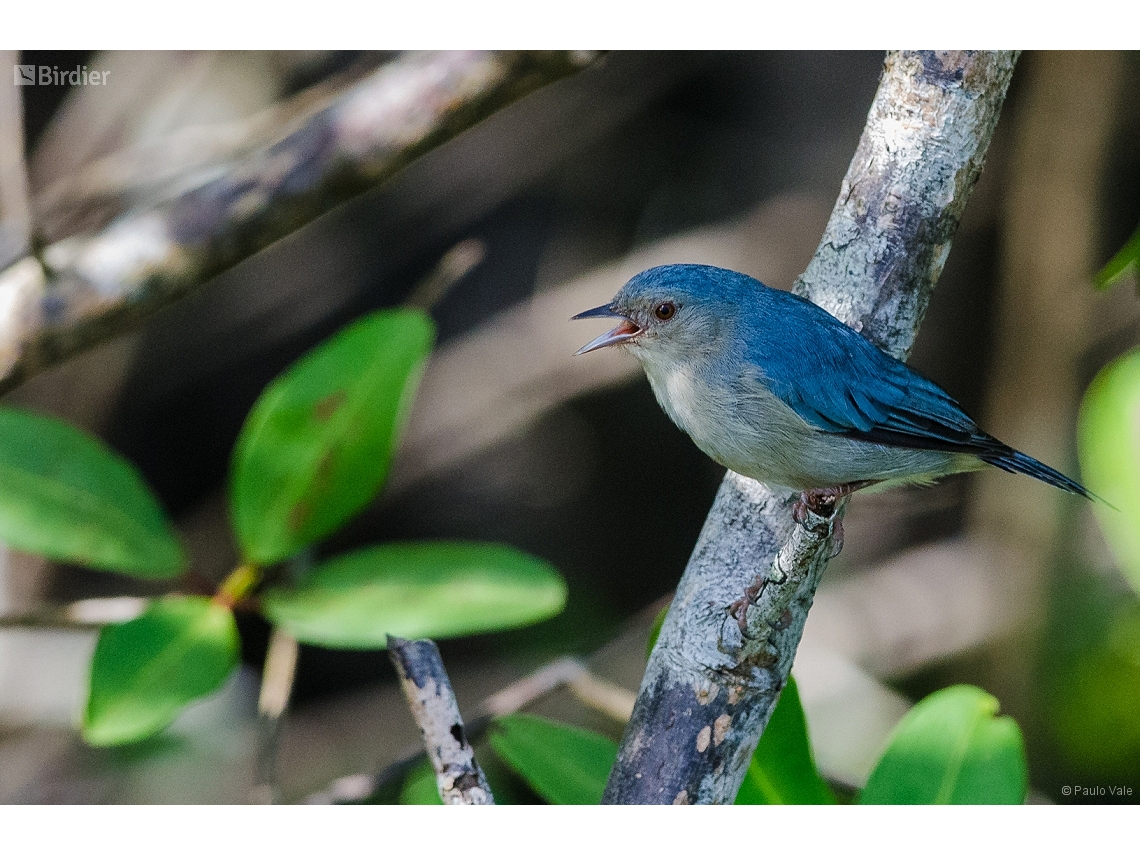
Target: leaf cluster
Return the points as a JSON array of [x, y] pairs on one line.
[[315, 449]]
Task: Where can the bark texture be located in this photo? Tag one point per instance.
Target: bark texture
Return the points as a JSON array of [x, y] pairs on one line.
[[709, 687], [428, 690]]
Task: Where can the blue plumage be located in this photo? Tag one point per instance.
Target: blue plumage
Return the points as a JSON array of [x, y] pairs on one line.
[[772, 386]]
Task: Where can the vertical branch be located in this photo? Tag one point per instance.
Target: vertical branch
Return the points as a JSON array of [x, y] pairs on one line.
[[429, 694], [709, 688]]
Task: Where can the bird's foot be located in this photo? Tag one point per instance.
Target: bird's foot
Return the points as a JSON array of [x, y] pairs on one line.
[[822, 502], [739, 609]]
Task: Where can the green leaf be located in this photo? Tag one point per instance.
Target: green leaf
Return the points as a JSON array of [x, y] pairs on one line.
[[783, 771], [1108, 441], [951, 748], [419, 787], [416, 590], [146, 670], [65, 495], [317, 445], [1128, 256], [563, 764], [655, 630]]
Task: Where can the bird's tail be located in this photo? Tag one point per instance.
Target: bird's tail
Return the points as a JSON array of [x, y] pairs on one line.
[[1014, 461]]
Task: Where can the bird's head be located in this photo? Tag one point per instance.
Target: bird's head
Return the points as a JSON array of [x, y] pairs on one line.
[[676, 312]]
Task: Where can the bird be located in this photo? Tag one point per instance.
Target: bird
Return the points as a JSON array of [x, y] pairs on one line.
[[775, 388]]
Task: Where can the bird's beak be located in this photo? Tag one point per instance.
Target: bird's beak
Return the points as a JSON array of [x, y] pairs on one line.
[[623, 332]]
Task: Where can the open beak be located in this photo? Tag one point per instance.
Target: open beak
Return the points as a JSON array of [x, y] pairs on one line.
[[623, 332]]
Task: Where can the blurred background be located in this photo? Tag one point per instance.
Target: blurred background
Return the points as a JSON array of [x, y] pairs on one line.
[[541, 211]]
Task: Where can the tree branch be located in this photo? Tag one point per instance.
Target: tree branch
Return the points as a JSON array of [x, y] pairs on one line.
[[428, 690], [89, 287], [708, 689], [15, 209]]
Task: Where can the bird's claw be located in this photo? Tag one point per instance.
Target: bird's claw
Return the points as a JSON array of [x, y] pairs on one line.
[[799, 511], [836, 538], [738, 610], [812, 503], [821, 503]]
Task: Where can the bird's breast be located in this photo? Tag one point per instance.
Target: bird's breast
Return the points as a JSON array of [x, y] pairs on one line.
[[751, 432]]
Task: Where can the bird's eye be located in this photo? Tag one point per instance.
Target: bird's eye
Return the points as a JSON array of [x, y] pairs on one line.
[[665, 311]]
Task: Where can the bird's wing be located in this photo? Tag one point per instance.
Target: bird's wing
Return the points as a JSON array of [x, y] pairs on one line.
[[838, 382]]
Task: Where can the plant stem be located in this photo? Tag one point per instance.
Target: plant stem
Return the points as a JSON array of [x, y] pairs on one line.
[[238, 585]]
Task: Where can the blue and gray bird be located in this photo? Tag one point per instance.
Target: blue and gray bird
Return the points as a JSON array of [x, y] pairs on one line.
[[773, 387]]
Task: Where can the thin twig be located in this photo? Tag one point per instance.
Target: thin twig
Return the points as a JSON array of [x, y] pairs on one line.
[[530, 688], [432, 701], [276, 687], [456, 263]]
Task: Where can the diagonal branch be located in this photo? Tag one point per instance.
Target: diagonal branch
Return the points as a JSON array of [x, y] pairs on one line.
[[88, 287], [708, 688]]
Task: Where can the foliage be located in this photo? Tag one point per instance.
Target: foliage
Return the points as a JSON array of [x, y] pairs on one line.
[[1109, 446], [1089, 669], [415, 590], [563, 764], [783, 770], [145, 671], [419, 787], [315, 449], [952, 748], [1126, 260], [67, 496]]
